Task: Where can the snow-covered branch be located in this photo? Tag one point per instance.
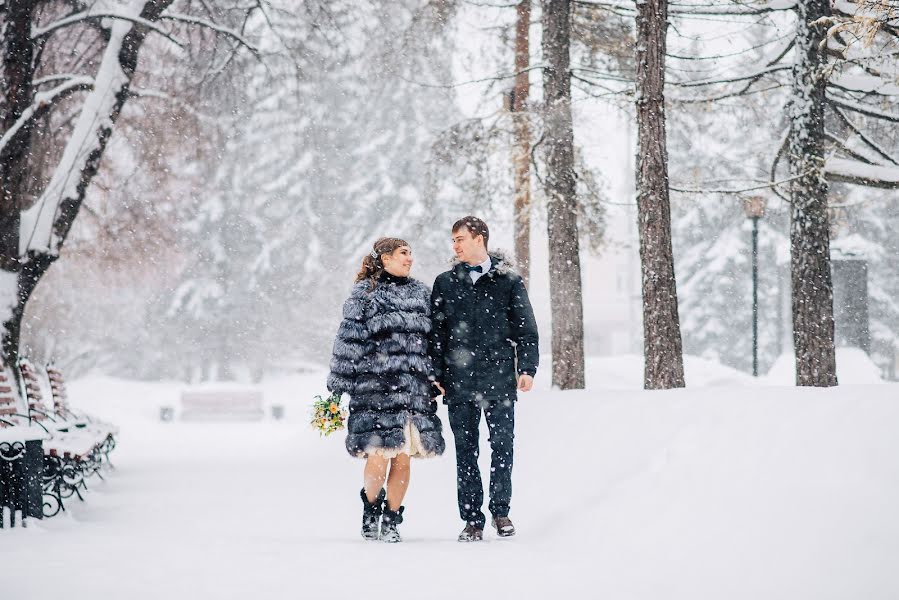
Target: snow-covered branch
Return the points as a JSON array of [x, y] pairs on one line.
[[63, 193], [843, 145], [853, 171], [862, 109], [87, 15], [43, 101]]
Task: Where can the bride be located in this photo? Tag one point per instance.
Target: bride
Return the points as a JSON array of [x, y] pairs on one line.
[[380, 359]]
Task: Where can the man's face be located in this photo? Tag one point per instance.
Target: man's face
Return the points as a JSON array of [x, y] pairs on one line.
[[468, 249]]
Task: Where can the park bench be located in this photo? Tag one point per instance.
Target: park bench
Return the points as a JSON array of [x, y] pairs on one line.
[[77, 444], [226, 404], [21, 457]]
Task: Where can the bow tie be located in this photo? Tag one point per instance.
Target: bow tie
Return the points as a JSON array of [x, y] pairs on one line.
[[477, 268]]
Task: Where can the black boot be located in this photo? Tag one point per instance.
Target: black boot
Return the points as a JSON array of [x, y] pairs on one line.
[[389, 521], [371, 514]]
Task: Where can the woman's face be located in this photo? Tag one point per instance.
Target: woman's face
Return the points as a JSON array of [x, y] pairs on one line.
[[398, 262]]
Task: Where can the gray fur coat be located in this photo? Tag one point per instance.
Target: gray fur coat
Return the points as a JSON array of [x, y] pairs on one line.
[[380, 359]]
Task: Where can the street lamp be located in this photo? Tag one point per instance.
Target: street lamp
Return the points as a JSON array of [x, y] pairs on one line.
[[755, 210]]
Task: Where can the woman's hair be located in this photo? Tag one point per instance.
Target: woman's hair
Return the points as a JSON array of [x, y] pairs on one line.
[[372, 267]]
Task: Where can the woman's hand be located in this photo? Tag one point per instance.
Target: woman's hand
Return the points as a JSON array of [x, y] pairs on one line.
[[439, 387]]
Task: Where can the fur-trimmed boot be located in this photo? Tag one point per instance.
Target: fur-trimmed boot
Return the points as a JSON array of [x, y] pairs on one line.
[[371, 514], [389, 521]]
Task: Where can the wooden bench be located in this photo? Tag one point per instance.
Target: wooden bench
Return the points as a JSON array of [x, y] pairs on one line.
[[78, 446], [224, 404]]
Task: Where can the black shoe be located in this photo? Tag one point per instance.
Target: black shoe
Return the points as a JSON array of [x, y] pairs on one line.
[[389, 521], [371, 514], [503, 526], [471, 533]]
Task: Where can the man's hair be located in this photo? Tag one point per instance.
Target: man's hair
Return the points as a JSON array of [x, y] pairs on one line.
[[475, 226]]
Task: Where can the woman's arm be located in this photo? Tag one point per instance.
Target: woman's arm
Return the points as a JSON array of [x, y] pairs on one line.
[[349, 345]]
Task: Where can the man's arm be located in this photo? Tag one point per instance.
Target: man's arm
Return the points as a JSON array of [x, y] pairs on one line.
[[524, 330]]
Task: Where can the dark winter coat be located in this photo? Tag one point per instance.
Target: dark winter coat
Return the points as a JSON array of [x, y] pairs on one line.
[[381, 360], [484, 334]]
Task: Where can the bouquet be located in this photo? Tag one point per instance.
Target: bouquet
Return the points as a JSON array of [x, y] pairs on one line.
[[328, 415]]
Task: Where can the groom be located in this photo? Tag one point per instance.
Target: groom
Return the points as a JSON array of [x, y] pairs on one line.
[[484, 348]]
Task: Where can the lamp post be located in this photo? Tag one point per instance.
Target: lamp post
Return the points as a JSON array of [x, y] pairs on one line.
[[755, 210]]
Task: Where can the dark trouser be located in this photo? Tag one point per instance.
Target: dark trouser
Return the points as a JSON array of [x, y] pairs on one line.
[[464, 420]]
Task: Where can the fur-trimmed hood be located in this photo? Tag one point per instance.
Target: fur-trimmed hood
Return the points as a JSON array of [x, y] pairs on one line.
[[503, 264]]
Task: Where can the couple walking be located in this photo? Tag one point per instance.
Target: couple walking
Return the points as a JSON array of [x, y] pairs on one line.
[[473, 340]]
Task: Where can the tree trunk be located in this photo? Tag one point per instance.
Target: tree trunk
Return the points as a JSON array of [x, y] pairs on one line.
[[521, 158], [17, 48], [813, 327], [564, 249], [664, 362]]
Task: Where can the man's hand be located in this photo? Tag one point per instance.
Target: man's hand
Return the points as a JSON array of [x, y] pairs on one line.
[[525, 382]]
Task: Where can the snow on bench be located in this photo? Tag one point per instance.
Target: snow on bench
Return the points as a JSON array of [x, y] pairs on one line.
[[224, 404]]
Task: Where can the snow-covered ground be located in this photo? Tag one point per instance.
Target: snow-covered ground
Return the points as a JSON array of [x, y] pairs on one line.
[[728, 489]]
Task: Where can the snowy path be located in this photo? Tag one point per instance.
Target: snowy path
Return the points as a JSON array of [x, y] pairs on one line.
[[710, 493]]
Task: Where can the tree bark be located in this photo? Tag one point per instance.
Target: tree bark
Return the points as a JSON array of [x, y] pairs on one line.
[[813, 326], [564, 249], [664, 363], [17, 48], [521, 158]]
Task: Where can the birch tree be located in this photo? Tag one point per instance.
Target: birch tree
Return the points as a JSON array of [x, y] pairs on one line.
[[35, 223]]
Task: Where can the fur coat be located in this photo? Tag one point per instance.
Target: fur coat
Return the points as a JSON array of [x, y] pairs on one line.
[[381, 360]]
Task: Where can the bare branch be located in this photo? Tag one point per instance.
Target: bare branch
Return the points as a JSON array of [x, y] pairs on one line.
[[744, 91], [750, 76], [472, 81], [736, 9], [730, 54], [214, 26], [764, 186], [869, 142], [160, 95]]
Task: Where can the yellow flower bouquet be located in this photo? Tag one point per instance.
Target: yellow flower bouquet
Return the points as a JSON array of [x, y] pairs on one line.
[[328, 415]]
